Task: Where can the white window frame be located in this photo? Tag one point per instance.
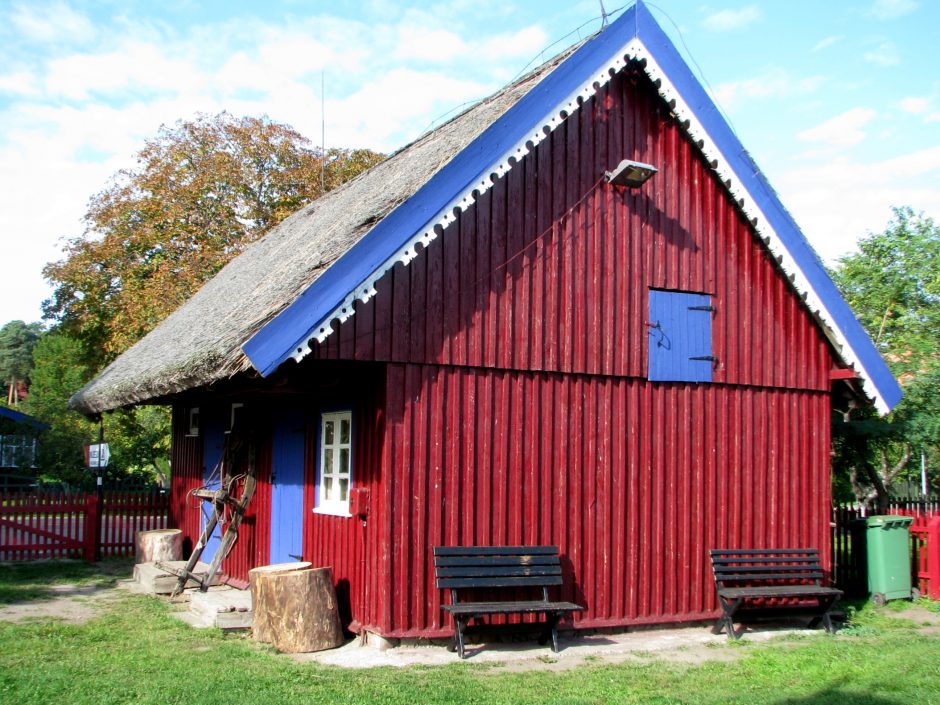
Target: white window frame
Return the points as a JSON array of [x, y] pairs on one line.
[[330, 477], [192, 420]]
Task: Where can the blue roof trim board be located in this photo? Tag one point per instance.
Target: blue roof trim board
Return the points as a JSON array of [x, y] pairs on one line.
[[634, 35], [19, 417]]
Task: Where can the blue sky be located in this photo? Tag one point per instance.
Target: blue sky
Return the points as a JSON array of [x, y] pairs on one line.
[[838, 102]]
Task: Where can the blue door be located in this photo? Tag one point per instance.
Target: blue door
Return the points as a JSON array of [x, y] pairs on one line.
[[287, 486], [213, 439]]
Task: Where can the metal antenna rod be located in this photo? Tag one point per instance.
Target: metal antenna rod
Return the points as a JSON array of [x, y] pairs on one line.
[[322, 132]]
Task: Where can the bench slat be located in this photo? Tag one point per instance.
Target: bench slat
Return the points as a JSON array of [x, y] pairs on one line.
[[490, 571], [440, 561], [494, 550], [503, 581], [524, 606], [735, 552]]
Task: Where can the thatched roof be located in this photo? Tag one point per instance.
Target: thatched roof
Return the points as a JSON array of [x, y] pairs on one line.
[[201, 342]]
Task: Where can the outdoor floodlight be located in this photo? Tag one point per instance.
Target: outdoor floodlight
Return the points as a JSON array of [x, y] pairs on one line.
[[631, 174]]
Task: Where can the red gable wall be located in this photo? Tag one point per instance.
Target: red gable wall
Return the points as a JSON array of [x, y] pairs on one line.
[[516, 404], [502, 288]]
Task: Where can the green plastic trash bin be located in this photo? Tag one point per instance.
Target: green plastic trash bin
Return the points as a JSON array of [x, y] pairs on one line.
[[887, 547]]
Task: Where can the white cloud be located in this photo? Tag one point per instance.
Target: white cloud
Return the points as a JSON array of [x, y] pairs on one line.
[[842, 130], [837, 202], [427, 44], [891, 9], [827, 42], [134, 66], [725, 20], [51, 23], [772, 83], [885, 54], [916, 105], [22, 83]]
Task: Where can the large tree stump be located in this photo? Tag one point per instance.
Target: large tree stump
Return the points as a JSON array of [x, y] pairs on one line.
[[260, 585], [159, 545], [296, 609]]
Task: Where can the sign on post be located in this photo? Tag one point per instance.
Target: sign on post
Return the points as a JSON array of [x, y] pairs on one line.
[[97, 455]]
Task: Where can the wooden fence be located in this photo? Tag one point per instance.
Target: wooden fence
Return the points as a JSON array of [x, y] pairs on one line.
[[38, 524], [848, 567]]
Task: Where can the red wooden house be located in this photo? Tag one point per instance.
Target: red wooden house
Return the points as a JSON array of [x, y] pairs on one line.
[[482, 340]]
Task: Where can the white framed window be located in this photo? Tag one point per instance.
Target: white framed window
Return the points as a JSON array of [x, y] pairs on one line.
[[17, 451], [234, 415], [335, 477], [193, 421]]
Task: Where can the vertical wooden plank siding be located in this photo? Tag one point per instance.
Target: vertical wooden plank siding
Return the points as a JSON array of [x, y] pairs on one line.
[[555, 265], [634, 500], [186, 462]]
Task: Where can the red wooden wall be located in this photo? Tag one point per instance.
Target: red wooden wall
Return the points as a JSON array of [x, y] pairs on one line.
[[519, 411], [633, 481]]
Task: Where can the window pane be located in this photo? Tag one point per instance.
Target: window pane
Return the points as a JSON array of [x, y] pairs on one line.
[[343, 490], [328, 461], [328, 433], [327, 488], [344, 431], [343, 468]]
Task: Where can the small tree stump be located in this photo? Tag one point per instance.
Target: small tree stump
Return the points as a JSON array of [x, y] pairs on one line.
[[297, 609], [159, 545], [260, 586]]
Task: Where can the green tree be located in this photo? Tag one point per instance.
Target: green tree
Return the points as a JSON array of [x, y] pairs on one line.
[[17, 340], [893, 285], [200, 193], [57, 372]]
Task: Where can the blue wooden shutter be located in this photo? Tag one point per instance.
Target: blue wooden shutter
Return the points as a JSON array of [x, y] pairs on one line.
[[680, 337]]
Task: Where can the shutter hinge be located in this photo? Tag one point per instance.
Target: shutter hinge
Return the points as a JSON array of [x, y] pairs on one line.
[[709, 358], [702, 308]]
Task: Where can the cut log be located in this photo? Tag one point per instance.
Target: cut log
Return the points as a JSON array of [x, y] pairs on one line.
[[159, 545], [297, 608], [260, 585]]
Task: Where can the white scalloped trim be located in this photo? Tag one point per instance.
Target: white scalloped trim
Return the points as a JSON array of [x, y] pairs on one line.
[[634, 49]]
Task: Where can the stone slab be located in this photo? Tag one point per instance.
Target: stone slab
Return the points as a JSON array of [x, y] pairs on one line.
[[158, 581], [223, 608]]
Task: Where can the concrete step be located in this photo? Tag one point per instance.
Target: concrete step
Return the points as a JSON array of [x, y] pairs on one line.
[[222, 607], [155, 580]]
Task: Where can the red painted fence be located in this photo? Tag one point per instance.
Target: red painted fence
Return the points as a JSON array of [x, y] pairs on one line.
[[40, 524], [848, 568]]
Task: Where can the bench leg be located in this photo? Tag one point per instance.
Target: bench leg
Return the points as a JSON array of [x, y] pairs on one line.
[[551, 630], [726, 621], [825, 616], [458, 635]]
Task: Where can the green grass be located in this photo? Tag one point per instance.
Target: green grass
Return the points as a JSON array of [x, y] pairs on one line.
[[138, 653]]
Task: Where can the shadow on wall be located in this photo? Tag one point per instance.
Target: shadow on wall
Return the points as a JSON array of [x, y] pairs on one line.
[[837, 696]]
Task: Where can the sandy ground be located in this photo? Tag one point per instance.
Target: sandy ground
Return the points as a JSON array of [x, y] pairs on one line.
[[70, 603], [692, 645]]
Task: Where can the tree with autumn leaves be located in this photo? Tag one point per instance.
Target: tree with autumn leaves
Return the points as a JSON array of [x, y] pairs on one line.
[[200, 193]]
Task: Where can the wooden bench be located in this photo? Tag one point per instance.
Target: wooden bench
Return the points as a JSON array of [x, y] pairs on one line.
[[771, 582], [495, 568]]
